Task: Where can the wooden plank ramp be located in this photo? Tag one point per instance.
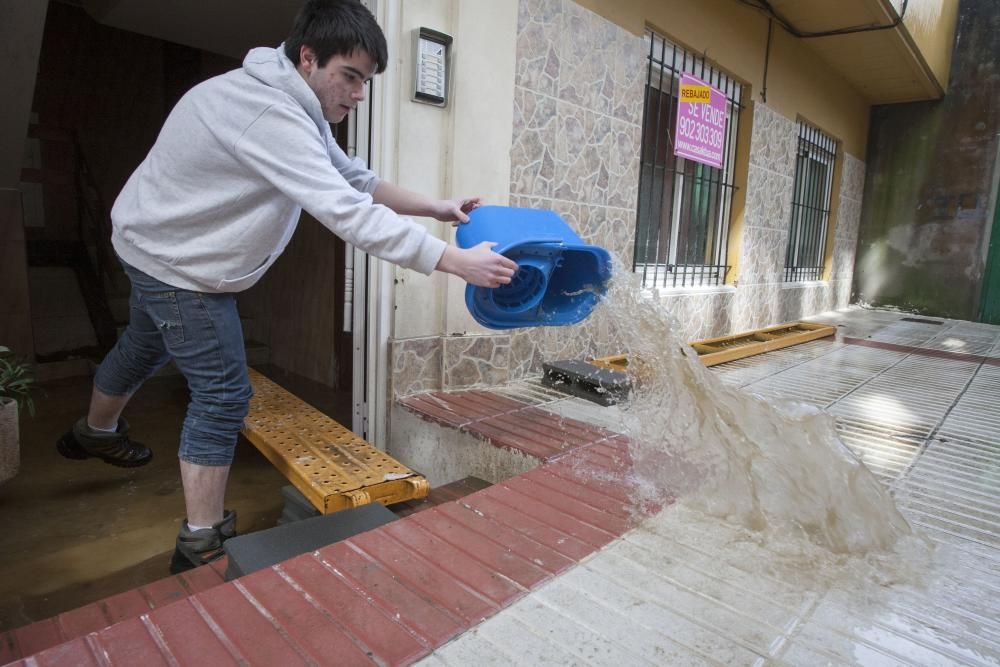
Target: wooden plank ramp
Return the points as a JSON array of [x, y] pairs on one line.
[[714, 351], [332, 467]]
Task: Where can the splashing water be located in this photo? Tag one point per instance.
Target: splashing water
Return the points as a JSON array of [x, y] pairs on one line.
[[776, 468]]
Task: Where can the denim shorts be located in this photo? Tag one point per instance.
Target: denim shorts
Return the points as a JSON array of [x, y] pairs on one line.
[[202, 334]]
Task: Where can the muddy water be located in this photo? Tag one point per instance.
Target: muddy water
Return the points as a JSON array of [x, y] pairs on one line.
[[777, 469]]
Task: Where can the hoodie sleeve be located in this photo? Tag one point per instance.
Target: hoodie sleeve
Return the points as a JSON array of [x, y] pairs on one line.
[[284, 148], [354, 170]]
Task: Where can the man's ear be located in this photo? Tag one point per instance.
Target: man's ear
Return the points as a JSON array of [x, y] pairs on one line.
[[307, 58]]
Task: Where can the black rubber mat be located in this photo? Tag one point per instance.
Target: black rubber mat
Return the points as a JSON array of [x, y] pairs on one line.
[[249, 553]]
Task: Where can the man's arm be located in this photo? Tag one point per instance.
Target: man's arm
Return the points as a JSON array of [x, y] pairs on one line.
[[477, 265], [302, 171], [406, 202]]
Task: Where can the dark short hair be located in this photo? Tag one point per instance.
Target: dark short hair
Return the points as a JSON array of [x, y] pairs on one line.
[[336, 28]]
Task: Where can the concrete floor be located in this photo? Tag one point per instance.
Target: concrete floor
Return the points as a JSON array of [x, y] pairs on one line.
[[77, 531]]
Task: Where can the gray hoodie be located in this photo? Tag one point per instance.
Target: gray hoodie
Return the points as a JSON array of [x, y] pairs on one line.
[[219, 195]]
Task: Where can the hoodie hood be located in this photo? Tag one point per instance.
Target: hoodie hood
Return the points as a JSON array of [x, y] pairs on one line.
[[273, 68]]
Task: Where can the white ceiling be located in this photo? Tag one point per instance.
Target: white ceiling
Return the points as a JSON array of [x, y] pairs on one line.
[[884, 66]]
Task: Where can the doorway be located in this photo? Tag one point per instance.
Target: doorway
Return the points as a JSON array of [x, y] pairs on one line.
[[100, 100]]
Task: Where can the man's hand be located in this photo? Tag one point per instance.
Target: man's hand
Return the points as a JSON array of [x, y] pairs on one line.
[[478, 265], [455, 211]]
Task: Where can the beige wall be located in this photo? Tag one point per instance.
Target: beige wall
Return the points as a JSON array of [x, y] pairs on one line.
[[931, 24], [734, 37], [575, 149], [460, 150]]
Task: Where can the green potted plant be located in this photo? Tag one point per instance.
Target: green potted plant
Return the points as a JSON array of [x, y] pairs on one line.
[[16, 384]]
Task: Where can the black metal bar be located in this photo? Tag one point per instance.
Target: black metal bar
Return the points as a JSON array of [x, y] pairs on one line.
[[808, 186], [673, 102], [791, 254], [822, 176], [816, 192], [699, 250], [815, 162], [732, 132], [643, 157]]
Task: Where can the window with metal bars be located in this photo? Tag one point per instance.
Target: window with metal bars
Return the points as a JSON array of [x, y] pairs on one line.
[[814, 165], [682, 231]]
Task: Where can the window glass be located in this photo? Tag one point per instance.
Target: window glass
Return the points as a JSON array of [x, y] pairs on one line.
[[811, 196], [682, 230]]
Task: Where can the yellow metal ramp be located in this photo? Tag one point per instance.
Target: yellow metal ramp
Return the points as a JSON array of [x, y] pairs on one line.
[[332, 467]]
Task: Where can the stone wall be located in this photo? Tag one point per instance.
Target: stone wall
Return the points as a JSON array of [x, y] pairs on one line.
[[578, 104], [932, 184]]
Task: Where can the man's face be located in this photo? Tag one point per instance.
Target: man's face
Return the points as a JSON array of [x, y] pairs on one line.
[[340, 83]]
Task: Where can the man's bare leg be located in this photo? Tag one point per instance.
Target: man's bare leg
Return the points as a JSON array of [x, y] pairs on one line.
[[204, 492], [105, 409]]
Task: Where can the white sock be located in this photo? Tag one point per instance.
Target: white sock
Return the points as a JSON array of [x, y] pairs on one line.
[[113, 429], [194, 528]]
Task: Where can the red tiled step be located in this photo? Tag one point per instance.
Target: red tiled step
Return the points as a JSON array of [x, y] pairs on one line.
[[250, 634], [599, 519], [483, 549], [392, 595], [38, 636], [459, 408], [317, 635], [439, 495], [374, 631], [532, 551], [549, 516], [924, 351], [583, 493], [189, 638], [492, 585], [367, 576], [507, 423], [534, 529], [131, 642]]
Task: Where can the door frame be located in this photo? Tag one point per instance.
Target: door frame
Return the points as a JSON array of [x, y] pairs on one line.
[[990, 291], [372, 278], [990, 286]]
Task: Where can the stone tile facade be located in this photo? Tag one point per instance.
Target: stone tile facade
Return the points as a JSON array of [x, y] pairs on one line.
[[416, 365], [577, 131]]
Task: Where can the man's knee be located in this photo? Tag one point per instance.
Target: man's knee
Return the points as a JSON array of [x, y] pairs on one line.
[[127, 366], [212, 427]]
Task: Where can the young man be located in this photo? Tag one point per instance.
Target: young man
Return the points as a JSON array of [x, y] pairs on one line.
[[210, 209]]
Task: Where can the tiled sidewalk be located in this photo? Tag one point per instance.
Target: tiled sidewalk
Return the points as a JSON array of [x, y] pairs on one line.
[[918, 402]]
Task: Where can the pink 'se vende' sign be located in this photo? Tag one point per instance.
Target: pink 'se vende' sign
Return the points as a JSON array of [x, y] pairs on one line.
[[701, 122]]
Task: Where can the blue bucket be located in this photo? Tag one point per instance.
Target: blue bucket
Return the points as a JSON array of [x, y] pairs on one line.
[[559, 278]]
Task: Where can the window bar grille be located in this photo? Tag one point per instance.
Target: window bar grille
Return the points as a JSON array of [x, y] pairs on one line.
[[663, 134], [685, 207], [810, 205]]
